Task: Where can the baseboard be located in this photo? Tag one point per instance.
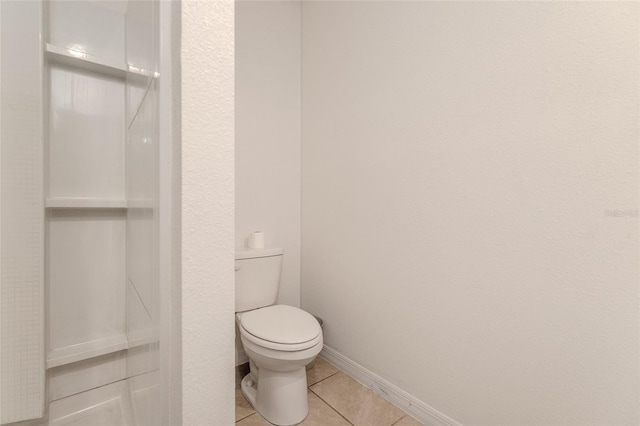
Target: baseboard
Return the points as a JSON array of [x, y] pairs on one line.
[[401, 399]]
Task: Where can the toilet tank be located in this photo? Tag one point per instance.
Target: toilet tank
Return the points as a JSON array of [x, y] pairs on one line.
[[257, 277]]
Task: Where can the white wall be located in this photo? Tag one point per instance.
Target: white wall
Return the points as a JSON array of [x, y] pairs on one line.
[[207, 212], [268, 131], [470, 208]]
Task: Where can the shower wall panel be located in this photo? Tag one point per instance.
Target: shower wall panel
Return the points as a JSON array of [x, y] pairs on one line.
[[141, 40], [86, 120], [22, 214], [86, 204], [79, 203], [86, 276]]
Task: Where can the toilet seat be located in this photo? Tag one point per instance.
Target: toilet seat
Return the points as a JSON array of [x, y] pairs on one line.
[[280, 327]]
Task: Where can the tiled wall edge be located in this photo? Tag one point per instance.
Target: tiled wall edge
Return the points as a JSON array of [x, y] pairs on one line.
[[416, 408]]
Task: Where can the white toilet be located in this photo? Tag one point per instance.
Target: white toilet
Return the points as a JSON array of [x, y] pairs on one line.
[[280, 340]]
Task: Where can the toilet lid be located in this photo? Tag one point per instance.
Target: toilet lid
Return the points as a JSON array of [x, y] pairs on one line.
[[281, 324]]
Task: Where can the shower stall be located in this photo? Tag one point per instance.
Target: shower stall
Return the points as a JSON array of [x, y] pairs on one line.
[[86, 236]]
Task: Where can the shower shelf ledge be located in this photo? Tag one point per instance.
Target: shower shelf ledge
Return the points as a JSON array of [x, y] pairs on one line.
[[87, 203], [82, 351], [84, 61]]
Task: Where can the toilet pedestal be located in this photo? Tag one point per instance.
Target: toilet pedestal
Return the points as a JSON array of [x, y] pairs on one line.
[[280, 398]]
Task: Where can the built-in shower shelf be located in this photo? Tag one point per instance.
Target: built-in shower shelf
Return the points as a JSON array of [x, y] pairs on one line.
[[143, 337], [82, 351], [86, 203], [81, 60]]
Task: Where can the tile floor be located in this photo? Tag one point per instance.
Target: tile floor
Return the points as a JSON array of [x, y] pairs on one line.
[[335, 399]]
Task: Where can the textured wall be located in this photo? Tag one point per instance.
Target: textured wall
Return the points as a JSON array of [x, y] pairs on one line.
[[268, 131], [470, 202], [207, 212]]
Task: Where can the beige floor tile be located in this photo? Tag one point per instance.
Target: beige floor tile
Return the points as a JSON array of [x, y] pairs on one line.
[[243, 408], [320, 371], [355, 402], [253, 420], [320, 414], [408, 421]]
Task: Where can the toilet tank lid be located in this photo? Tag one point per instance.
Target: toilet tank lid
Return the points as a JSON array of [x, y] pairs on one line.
[[251, 253]]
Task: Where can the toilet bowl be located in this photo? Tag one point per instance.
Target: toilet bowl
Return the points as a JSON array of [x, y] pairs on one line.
[[280, 341]]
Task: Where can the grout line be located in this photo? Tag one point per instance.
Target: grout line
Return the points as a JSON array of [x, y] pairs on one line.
[[246, 417], [250, 406], [330, 406], [398, 421], [322, 380], [366, 387]]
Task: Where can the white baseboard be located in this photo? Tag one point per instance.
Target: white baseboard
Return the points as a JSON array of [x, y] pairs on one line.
[[416, 408]]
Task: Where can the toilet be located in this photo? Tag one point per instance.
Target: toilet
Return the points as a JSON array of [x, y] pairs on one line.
[[279, 340]]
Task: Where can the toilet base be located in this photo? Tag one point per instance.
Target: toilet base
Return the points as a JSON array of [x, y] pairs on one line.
[[281, 398]]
